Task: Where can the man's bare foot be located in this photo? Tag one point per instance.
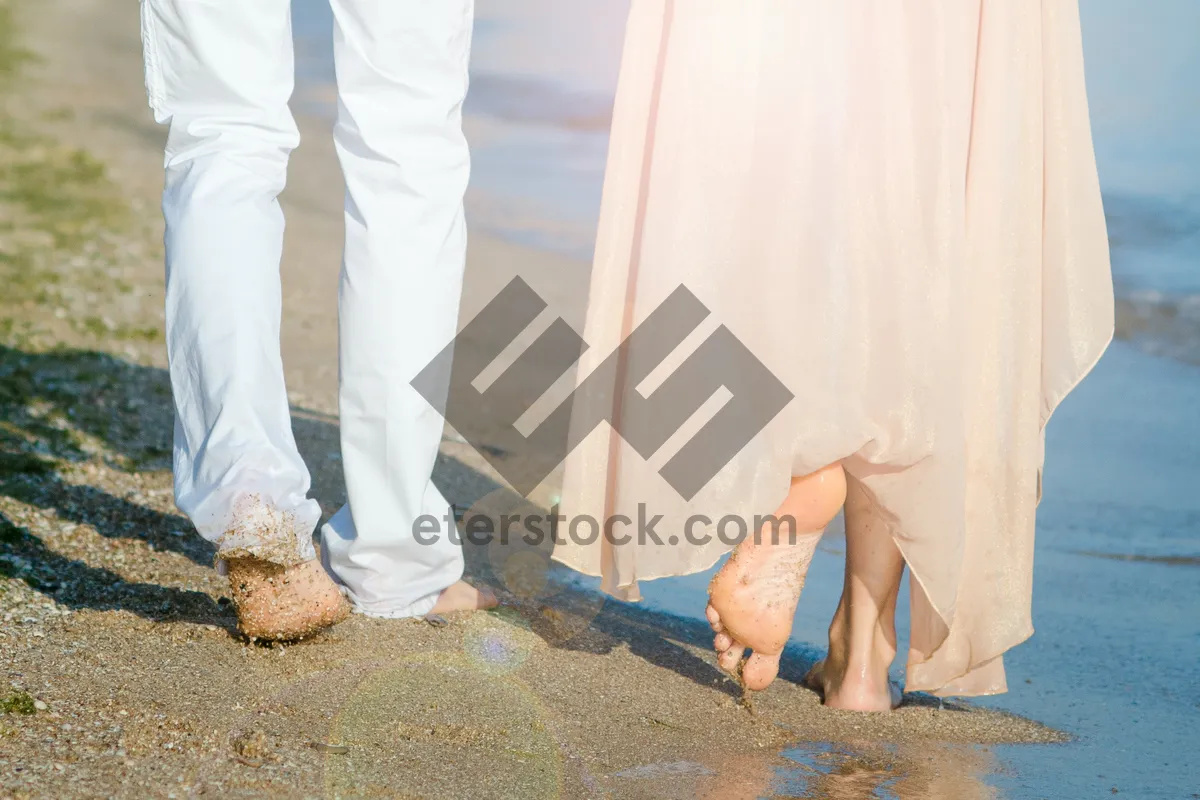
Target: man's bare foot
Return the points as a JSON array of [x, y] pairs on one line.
[[276, 603], [752, 599], [462, 596]]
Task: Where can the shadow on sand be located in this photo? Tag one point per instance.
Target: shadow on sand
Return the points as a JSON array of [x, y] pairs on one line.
[[66, 415]]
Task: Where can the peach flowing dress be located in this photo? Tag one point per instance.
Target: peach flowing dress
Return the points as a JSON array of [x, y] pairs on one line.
[[895, 206]]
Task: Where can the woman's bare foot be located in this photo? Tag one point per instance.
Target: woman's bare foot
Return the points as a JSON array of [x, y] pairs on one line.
[[752, 600], [862, 636], [856, 682], [462, 596], [276, 603]]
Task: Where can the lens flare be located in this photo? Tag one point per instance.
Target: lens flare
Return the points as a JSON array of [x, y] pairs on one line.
[[499, 650], [454, 719]]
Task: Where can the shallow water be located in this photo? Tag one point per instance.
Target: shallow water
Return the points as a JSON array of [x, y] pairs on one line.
[[1116, 658]]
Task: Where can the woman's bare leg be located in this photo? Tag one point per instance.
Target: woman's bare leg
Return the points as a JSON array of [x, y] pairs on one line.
[[752, 600], [862, 636]]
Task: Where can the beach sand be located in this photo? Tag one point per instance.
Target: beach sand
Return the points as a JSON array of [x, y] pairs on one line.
[[117, 628]]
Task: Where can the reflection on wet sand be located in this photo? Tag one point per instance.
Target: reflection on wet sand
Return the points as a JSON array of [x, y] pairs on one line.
[[832, 771], [852, 772]]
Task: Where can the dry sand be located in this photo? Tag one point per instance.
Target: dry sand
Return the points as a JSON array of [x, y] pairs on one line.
[[115, 625]]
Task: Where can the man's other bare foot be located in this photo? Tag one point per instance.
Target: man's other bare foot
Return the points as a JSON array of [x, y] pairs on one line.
[[276, 603], [462, 596]]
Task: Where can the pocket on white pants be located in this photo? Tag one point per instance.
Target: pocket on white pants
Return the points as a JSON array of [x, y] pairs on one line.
[[155, 85]]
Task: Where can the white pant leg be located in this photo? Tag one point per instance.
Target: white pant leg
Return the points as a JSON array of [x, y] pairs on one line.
[[220, 72], [402, 76]]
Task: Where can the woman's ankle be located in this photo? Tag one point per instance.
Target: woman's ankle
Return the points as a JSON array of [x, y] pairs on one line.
[[862, 645]]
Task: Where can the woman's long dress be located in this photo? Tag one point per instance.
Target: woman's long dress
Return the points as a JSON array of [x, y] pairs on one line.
[[895, 207]]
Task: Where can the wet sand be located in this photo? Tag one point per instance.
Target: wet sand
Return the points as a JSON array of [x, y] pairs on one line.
[[114, 622]]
